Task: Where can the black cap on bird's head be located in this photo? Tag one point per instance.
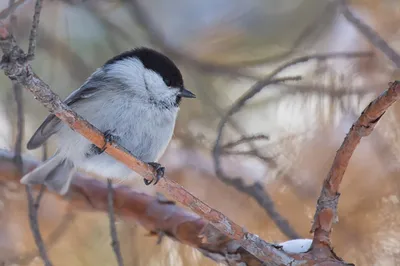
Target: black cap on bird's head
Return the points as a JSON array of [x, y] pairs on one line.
[[160, 64]]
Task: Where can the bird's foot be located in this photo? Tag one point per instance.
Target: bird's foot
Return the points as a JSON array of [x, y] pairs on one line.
[[109, 138], [160, 170]]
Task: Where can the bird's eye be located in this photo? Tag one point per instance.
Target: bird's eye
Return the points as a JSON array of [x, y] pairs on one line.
[[167, 82]]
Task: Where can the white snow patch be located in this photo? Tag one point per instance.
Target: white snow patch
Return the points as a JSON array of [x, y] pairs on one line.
[[296, 245]]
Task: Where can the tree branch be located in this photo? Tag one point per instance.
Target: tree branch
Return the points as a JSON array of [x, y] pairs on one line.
[[256, 191], [33, 205], [326, 213], [5, 13], [51, 240], [162, 216], [245, 139], [113, 229], [33, 34], [371, 35], [33, 222]]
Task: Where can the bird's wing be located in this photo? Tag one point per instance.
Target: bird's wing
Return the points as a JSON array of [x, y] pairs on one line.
[[52, 123]]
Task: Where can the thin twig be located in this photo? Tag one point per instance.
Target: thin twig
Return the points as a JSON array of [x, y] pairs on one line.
[[33, 222], [244, 139], [39, 197], [32, 204], [17, 89], [44, 152], [258, 86], [370, 34], [236, 106], [252, 153], [42, 187], [113, 229], [51, 240], [256, 191], [326, 213], [33, 34], [11, 8]]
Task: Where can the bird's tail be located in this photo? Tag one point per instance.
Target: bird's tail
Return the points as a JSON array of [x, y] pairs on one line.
[[55, 173]]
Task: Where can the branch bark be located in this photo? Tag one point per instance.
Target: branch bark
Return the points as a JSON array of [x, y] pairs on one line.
[[163, 217], [326, 213]]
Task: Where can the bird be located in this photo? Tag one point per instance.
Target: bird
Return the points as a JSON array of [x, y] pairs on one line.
[[134, 99]]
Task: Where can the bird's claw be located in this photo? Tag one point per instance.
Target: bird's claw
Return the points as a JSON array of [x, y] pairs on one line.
[[160, 170], [108, 139]]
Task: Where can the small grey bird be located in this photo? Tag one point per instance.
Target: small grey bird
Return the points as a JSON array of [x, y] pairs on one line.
[[134, 99]]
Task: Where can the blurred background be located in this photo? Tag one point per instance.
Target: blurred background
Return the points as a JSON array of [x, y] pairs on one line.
[[223, 48]]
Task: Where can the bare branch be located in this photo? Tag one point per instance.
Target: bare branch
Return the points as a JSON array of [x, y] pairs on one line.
[[11, 8], [254, 191], [52, 239], [33, 222], [17, 89], [157, 215], [113, 229], [268, 80], [32, 204], [42, 187], [319, 57], [244, 140], [251, 153], [326, 213], [370, 34], [33, 34]]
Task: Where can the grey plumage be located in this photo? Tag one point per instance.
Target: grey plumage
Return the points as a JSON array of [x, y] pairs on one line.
[[124, 97]]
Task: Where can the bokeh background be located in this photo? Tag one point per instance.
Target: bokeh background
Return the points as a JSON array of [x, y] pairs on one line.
[[223, 47]]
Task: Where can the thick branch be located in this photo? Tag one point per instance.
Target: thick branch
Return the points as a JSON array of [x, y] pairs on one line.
[[161, 216], [326, 213]]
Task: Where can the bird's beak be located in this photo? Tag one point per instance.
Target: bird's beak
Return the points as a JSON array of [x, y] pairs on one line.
[[186, 94]]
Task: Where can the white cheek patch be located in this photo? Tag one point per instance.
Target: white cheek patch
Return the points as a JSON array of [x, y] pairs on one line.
[[154, 80], [157, 88]]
